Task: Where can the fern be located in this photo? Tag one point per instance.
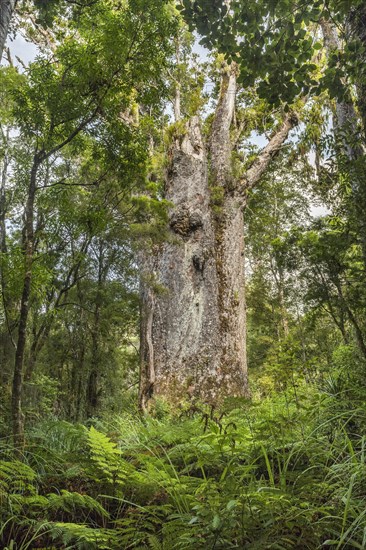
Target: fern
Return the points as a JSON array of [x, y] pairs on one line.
[[154, 543], [30, 506], [74, 504], [107, 463], [16, 477], [274, 474], [82, 537]]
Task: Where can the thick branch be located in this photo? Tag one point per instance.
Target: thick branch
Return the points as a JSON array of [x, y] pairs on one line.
[[220, 146], [74, 133], [261, 163], [45, 36], [330, 35], [40, 338], [177, 86], [7, 8]]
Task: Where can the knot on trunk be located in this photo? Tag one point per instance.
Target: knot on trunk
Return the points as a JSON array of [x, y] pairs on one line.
[[184, 222], [294, 118], [199, 263]]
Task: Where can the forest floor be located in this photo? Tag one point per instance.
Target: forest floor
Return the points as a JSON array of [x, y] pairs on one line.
[[284, 471]]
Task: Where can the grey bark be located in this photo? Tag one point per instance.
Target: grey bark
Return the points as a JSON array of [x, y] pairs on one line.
[[177, 87], [193, 320], [177, 112], [346, 122], [231, 378], [7, 8], [260, 165], [179, 333]]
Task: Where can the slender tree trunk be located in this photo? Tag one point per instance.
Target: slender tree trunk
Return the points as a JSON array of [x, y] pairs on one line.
[[279, 278], [28, 251], [337, 313], [346, 130], [352, 318], [356, 24], [6, 12], [79, 372], [359, 334], [41, 335], [92, 393], [193, 302], [340, 323], [77, 378], [4, 175], [147, 361], [282, 304], [6, 333]]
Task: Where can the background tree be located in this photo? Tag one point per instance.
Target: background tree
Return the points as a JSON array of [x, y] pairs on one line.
[[66, 102], [273, 295]]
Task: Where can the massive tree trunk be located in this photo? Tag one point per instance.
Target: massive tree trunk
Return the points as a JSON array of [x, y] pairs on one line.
[[180, 346], [231, 375], [193, 303], [6, 11]]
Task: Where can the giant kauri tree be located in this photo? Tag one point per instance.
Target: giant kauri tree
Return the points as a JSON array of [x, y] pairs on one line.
[[193, 329], [193, 301]]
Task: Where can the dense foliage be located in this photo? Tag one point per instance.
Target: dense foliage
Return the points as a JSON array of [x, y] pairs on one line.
[[85, 149], [284, 472], [277, 42]]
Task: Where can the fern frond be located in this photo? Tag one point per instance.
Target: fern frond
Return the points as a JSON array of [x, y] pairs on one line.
[[16, 477], [83, 537], [107, 462], [74, 503]]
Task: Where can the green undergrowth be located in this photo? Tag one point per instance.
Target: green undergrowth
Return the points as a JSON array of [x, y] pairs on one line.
[[284, 472]]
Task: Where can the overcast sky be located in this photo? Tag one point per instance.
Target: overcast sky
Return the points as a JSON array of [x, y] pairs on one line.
[[26, 51]]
